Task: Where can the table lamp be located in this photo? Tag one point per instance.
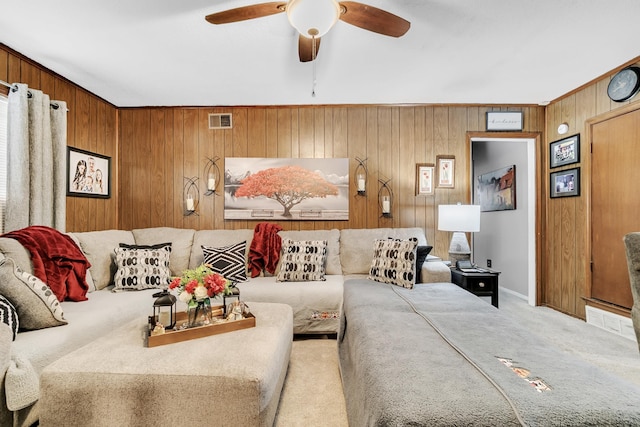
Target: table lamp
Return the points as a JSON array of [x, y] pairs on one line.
[[459, 219]]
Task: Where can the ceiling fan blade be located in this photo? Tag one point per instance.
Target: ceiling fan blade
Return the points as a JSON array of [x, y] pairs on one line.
[[305, 48], [246, 12], [373, 19]]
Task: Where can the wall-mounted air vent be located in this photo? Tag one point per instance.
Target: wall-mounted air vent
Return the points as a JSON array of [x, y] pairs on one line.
[[220, 121]]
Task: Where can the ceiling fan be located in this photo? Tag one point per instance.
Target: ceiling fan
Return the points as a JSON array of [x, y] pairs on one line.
[[314, 18]]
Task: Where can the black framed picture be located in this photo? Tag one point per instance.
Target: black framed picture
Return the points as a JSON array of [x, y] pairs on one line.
[[565, 183], [88, 174], [565, 151]]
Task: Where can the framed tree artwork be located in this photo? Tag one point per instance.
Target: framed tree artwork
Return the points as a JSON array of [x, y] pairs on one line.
[[446, 168]]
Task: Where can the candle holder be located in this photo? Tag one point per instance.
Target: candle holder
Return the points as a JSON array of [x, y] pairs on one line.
[[361, 177], [211, 175], [190, 195], [385, 198]]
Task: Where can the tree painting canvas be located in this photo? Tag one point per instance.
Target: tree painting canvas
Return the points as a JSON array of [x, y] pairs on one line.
[[286, 189]]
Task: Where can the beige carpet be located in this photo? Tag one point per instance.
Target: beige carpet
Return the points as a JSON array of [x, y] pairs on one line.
[[312, 393]]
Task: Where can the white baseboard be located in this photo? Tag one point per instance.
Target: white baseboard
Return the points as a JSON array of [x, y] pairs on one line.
[[611, 322]]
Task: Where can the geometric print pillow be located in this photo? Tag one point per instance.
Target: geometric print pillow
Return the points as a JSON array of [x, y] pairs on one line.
[[394, 262], [142, 267], [9, 316], [229, 261], [302, 260]]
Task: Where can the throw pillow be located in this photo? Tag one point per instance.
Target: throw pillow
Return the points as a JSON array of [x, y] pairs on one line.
[[142, 267], [421, 257], [302, 261], [9, 316], [34, 301], [394, 262], [229, 261]]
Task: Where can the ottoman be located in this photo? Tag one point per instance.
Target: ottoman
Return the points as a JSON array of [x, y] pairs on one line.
[[229, 379]]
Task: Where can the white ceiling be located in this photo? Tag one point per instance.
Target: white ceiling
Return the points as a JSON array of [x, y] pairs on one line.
[[164, 53]]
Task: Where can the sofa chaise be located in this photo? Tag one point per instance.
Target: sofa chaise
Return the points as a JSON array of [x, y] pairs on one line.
[[316, 304], [437, 355]]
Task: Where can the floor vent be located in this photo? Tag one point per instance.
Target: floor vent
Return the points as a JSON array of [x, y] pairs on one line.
[[220, 121], [611, 322]]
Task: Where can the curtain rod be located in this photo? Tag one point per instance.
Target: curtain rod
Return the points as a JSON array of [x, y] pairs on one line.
[[3, 83]]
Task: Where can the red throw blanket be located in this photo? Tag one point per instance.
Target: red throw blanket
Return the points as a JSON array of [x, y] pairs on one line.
[[57, 261], [264, 251]]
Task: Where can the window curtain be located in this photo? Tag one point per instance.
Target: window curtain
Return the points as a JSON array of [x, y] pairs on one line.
[[36, 154]]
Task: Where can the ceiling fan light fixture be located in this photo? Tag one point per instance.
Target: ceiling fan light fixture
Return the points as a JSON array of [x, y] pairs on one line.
[[313, 18]]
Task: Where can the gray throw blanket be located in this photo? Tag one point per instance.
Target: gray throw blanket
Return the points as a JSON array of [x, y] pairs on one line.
[[439, 356]]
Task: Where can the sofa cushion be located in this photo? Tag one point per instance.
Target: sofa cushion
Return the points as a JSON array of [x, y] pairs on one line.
[[9, 315], [142, 267], [227, 260], [394, 262], [11, 248], [36, 304], [99, 248], [356, 245], [332, 237], [302, 260], [217, 238], [181, 242]]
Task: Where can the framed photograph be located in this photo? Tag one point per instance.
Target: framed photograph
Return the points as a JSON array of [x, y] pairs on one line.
[[565, 183], [88, 174], [565, 151], [446, 167], [504, 120], [496, 190], [424, 178]]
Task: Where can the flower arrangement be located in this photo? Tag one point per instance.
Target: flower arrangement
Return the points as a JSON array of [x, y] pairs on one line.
[[200, 284]]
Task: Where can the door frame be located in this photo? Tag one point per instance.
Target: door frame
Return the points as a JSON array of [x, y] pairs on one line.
[[586, 188], [537, 191]]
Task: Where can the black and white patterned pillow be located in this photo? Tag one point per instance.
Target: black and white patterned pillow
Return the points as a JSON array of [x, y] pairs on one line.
[[9, 315], [302, 261], [229, 261], [142, 267], [394, 262]]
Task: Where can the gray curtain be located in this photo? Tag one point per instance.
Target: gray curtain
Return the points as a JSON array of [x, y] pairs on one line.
[[36, 153]]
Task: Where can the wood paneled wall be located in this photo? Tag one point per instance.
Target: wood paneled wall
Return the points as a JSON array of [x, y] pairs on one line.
[[568, 234], [91, 125], [159, 147]]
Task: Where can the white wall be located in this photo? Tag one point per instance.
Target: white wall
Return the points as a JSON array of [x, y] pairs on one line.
[[504, 236]]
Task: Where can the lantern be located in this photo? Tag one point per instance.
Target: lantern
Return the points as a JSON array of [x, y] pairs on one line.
[[164, 309]]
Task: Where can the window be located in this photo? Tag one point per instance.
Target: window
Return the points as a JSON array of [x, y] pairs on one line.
[[3, 159]]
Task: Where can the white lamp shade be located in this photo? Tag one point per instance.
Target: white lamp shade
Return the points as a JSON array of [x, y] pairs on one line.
[[459, 218], [313, 17]]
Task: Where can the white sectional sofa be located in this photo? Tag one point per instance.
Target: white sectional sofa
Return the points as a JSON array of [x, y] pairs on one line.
[[316, 305]]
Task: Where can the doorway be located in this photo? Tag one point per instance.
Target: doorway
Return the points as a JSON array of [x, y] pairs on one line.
[[508, 237]]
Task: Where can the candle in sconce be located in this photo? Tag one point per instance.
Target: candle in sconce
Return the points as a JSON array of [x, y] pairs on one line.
[[386, 204], [211, 184], [190, 204], [165, 318], [361, 183]]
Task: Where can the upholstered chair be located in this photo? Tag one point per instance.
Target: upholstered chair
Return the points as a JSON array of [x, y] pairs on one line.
[[632, 245]]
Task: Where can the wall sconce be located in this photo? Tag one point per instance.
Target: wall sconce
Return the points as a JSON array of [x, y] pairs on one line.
[[459, 219], [190, 195], [385, 198], [361, 177], [211, 175]]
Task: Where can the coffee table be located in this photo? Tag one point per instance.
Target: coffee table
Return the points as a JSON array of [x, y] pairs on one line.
[[230, 379]]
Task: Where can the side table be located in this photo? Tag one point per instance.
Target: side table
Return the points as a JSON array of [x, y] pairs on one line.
[[482, 284]]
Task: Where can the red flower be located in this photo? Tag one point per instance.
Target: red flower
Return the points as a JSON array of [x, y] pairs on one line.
[[191, 286], [175, 283], [215, 284]]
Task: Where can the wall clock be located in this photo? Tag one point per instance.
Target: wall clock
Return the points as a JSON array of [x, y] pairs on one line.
[[624, 85]]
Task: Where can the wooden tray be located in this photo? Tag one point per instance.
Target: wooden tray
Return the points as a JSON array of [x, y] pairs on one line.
[[177, 335]]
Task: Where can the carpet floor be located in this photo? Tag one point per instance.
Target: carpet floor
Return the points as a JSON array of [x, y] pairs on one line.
[[312, 393]]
